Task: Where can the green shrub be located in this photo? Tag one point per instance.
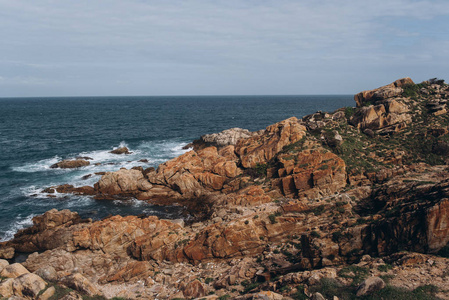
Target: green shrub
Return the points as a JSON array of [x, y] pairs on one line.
[[272, 218], [385, 268], [349, 112]]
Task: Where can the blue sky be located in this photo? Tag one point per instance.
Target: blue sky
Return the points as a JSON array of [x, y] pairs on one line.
[[82, 48]]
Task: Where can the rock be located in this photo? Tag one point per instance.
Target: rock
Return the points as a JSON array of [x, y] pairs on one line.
[[6, 288], [317, 296], [47, 273], [220, 140], [196, 173], [333, 138], [261, 148], [72, 296], [14, 270], [121, 150], [47, 294], [50, 230], [144, 160], [384, 92], [28, 285], [267, 295], [122, 182], [3, 264], [80, 283], [70, 164], [85, 177], [391, 115], [310, 173], [7, 253], [369, 286], [194, 289], [84, 157]]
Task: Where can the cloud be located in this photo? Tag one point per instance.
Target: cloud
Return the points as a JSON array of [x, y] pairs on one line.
[[222, 44]]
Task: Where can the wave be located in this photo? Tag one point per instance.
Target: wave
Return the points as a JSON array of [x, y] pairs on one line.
[[145, 154], [20, 223]]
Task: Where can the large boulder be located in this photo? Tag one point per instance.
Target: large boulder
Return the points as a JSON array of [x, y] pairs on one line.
[[221, 139], [388, 91], [369, 286], [6, 288], [6, 253], [195, 173], [14, 270], [120, 235], [70, 164], [81, 284], [28, 286], [122, 182], [389, 116]]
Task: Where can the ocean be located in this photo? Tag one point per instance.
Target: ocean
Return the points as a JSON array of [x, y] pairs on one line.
[[38, 132]]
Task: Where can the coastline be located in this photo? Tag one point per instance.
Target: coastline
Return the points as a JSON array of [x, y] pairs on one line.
[[333, 196]]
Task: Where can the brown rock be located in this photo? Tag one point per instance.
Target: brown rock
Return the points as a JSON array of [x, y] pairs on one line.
[[3, 264], [6, 253], [369, 286], [69, 164], [121, 150], [391, 90], [313, 172], [48, 293], [50, 230], [220, 140], [14, 270], [122, 182], [28, 285], [80, 283], [6, 288], [260, 149], [47, 273], [194, 289]]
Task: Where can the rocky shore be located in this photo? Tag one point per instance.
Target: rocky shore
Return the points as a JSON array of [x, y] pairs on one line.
[[352, 204]]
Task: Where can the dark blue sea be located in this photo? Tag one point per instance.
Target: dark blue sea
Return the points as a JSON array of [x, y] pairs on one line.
[[38, 132]]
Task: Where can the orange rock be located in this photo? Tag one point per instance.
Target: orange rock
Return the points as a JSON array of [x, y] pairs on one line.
[[260, 149], [384, 92]]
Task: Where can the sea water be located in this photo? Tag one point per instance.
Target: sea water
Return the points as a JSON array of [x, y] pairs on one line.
[[38, 132]]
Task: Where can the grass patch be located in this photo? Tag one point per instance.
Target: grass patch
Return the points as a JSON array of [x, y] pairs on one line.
[[356, 273]]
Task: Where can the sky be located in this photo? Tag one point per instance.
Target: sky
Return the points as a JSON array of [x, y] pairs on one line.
[[220, 47]]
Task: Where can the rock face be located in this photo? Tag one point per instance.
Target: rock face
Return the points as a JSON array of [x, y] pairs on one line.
[[311, 173], [260, 149], [123, 182], [386, 117], [50, 230], [388, 91], [195, 172], [70, 164]]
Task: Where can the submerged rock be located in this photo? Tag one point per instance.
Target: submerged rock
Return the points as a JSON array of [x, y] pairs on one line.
[[70, 164], [121, 150]]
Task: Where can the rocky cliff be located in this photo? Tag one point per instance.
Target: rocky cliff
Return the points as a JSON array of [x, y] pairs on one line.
[[281, 213]]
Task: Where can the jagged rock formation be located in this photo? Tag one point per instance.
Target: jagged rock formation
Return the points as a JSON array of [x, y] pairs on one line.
[[299, 203]]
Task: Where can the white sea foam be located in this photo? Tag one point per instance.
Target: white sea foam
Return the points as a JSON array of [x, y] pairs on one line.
[[20, 223], [39, 166]]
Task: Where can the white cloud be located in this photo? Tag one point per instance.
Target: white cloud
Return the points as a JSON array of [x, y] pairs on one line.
[[221, 42]]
